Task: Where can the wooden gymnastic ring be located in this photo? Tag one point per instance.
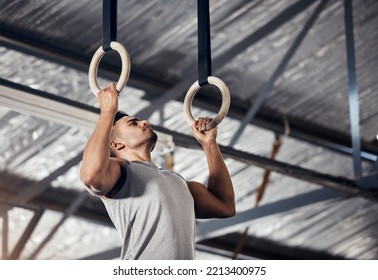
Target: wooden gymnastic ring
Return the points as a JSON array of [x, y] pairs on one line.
[[226, 99], [93, 67]]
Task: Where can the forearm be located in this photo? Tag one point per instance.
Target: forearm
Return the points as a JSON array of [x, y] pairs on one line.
[[219, 183], [96, 152]]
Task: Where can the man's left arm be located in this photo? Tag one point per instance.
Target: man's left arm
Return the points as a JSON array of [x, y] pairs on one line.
[[218, 199]]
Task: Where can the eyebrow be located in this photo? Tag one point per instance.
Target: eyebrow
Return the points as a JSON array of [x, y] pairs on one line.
[[132, 119]]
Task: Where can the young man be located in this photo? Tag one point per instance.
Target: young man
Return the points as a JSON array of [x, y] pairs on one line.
[[153, 210]]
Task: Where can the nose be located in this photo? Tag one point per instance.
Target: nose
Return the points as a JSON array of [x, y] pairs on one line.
[[144, 123]]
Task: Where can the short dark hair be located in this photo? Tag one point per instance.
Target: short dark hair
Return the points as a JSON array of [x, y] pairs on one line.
[[119, 115]]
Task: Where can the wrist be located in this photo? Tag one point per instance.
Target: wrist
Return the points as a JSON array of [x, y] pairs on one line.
[[209, 144], [108, 112], [107, 115]]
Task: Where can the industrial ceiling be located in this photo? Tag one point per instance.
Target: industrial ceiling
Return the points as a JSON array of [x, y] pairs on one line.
[[301, 71]]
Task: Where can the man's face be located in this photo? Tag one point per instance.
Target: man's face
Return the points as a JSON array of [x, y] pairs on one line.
[[135, 133]]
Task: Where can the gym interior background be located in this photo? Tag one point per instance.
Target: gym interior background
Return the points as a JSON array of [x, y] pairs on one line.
[[303, 70]]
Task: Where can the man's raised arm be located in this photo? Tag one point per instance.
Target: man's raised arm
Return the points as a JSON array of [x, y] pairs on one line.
[[218, 199], [99, 172]]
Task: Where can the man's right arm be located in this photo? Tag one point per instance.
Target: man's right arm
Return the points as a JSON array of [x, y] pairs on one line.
[[99, 172]]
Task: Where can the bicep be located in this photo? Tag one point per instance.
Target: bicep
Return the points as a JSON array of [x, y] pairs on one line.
[[206, 204], [110, 179]]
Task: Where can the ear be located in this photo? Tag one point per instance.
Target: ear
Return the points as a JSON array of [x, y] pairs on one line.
[[117, 145]]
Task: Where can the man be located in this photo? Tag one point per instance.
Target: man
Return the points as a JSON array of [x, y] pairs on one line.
[[153, 210]]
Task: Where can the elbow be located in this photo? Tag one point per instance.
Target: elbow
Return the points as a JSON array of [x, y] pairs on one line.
[[88, 178], [230, 207], [89, 182], [228, 211], [231, 212], [92, 183]]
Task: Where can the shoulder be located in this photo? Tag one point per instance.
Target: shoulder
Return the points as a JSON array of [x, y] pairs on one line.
[[177, 174], [121, 178], [120, 161]]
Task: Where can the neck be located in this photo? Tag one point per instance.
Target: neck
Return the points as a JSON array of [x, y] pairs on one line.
[[135, 155]]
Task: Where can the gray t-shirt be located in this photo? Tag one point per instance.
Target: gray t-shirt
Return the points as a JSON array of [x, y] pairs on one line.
[[154, 214]]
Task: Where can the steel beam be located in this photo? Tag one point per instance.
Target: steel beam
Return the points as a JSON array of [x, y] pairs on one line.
[[96, 213], [341, 184], [354, 111], [23, 42], [47, 106], [299, 129], [218, 227]]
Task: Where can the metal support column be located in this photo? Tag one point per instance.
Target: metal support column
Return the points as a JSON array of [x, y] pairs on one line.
[[352, 89]]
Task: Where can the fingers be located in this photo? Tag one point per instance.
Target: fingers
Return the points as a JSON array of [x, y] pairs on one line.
[[201, 123], [201, 134], [111, 87], [109, 90], [108, 98]]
